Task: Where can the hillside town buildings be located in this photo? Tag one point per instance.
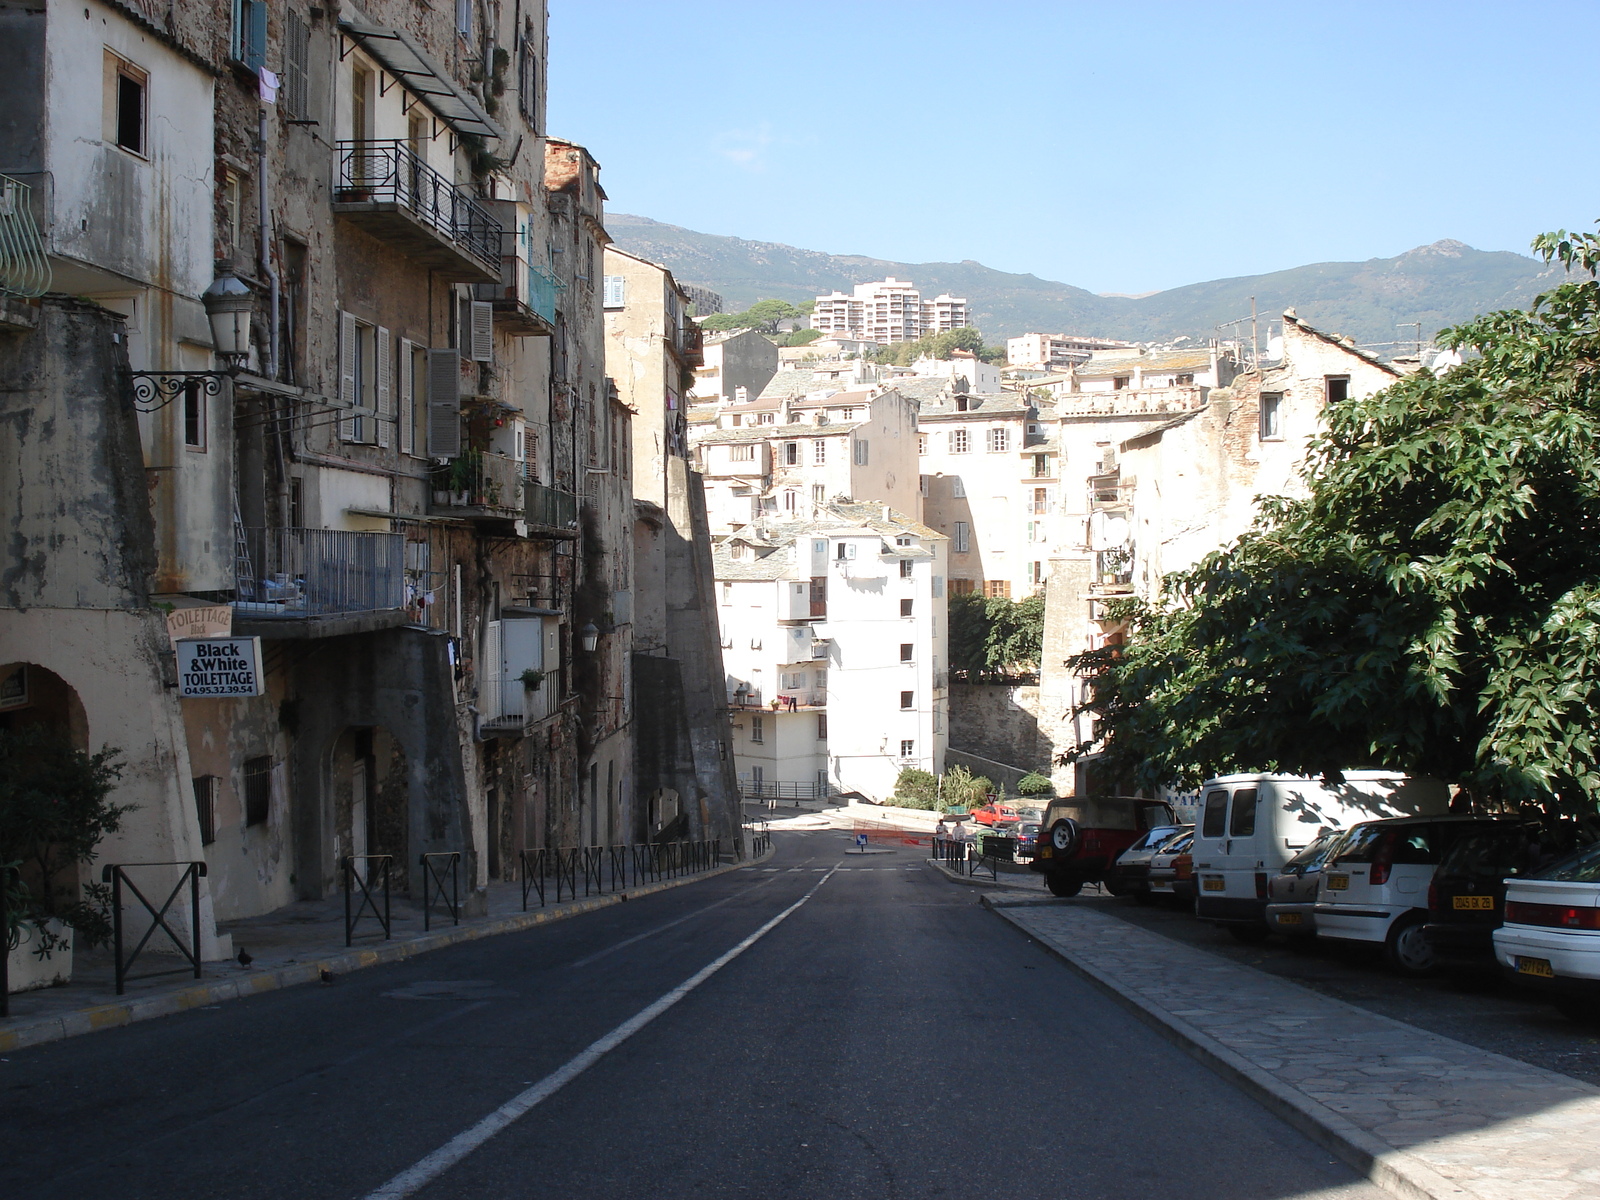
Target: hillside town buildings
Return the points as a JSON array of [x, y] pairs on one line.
[[1054, 351], [734, 366], [891, 310]]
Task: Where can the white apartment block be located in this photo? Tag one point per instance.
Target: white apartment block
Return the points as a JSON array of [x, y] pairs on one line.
[[833, 639], [787, 459], [990, 483], [891, 310], [966, 372], [1054, 351]]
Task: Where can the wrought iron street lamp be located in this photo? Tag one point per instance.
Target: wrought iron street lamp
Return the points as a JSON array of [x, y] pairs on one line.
[[591, 637], [229, 306]]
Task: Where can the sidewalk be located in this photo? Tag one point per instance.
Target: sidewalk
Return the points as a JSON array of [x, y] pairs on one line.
[[1424, 1116], [290, 946]]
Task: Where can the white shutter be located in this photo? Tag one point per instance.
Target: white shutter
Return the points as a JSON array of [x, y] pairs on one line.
[[614, 291], [482, 331], [444, 403], [348, 349], [406, 419], [385, 389]]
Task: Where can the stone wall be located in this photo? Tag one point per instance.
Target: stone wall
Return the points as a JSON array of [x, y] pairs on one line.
[[1000, 723]]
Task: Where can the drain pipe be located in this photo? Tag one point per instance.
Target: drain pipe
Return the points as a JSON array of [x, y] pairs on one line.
[[268, 271]]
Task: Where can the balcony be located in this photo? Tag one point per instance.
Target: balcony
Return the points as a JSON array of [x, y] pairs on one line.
[[391, 193], [318, 582], [1125, 402], [478, 485], [526, 295], [548, 512], [24, 269]]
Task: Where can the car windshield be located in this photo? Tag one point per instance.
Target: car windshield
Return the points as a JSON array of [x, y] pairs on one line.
[[1113, 814], [1179, 844], [1313, 854], [1582, 867]]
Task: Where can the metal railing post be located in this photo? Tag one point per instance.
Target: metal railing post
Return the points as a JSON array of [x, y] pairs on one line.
[[116, 922], [345, 863]]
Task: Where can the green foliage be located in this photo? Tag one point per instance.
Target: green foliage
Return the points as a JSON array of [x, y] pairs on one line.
[[992, 638], [935, 345], [763, 316], [1432, 605], [721, 322], [960, 788], [916, 789], [802, 337], [1035, 784], [55, 809]]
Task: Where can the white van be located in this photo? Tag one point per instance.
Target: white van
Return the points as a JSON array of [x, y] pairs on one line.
[[1250, 825]]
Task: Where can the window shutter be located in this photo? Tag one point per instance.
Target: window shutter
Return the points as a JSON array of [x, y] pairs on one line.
[[482, 331], [256, 54], [407, 419], [614, 291], [385, 389], [296, 65], [347, 377], [444, 403]]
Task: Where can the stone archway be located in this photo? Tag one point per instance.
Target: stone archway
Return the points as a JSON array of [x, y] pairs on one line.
[[33, 695]]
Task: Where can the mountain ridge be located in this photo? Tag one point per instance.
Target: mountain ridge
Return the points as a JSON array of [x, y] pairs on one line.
[[1439, 284]]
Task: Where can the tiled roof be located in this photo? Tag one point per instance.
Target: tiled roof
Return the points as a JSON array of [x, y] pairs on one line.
[[763, 433], [979, 404], [773, 565], [1118, 362]]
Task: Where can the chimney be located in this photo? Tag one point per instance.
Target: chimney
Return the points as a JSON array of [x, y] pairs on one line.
[[888, 513], [741, 395]]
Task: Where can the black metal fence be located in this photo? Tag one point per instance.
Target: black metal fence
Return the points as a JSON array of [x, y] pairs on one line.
[[965, 858], [760, 837], [360, 879], [438, 869], [554, 874], [116, 874], [387, 172]]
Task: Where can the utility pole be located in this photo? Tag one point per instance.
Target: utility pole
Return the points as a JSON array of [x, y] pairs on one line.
[[1417, 325]]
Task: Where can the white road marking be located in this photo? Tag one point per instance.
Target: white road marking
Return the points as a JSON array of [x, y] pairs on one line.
[[441, 1160], [639, 937]]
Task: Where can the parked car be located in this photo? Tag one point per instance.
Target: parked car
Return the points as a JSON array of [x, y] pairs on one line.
[[1551, 937], [1250, 825], [1375, 884], [1292, 893], [1129, 875], [996, 815], [1466, 900], [1027, 834], [1172, 869], [1081, 836]]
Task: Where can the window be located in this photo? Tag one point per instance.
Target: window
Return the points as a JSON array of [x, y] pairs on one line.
[[1120, 382], [794, 418], [960, 441], [613, 290], [1035, 573], [905, 605], [923, 485], [464, 18], [908, 748], [822, 727], [766, 419], [205, 807], [908, 699], [1243, 823], [819, 451], [296, 67], [906, 569], [1271, 417], [758, 732], [1041, 466], [1041, 501], [922, 443], [233, 208], [961, 587], [962, 538], [249, 44], [738, 550], [997, 588], [125, 98], [843, 551], [999, 441], [257, 790], [958, 488], [905, 651], [194, 415], [1214, 820], [1337, 388], [822, 680], [791, 454], [727, 593], [297, 502], [789, 500], [818, 494], [819, 547], [742, 453], [1183, 381], [528, 78], [860, 452]]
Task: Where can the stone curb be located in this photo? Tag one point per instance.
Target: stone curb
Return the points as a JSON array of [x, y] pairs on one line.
[[21, 1034], [1395, 1171]]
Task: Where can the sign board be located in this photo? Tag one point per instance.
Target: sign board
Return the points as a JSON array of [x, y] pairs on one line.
[[210, 667], [14, 688], [203, 621], [861, 839]]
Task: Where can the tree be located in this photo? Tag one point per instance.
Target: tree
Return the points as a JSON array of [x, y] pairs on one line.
[[916, 789], [993, 638], [1433, 604], [1035, 784], [960, 788], [765, 314], [722, 322], [802, 337]]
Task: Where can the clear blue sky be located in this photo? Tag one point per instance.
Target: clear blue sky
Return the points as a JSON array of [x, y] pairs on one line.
[[1124, 146]]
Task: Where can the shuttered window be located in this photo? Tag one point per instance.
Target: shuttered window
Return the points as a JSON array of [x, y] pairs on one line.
[[444, 403], [296, 67], [481, 334], [614, 291], [383, 398]]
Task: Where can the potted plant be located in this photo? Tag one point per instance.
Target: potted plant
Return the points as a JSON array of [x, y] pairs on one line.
[[55, 809], [532, 679]]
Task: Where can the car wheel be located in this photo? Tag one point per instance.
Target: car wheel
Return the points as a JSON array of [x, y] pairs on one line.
[[1064, 837], [1062, 885], [1112, 888], [1250, 935], [1407, 947]]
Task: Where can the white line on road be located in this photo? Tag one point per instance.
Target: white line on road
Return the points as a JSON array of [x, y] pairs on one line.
[[649, 933], [441, 1160]]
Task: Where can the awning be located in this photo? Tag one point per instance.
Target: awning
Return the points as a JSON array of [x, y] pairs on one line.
[[410, 64]]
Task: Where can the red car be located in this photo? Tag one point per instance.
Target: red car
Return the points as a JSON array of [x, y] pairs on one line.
[[1081, 836], [996, 815]]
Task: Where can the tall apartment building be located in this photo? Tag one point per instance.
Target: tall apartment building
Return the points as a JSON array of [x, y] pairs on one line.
[[834, 637], [891, 310], [1054, 351], [307, 378]]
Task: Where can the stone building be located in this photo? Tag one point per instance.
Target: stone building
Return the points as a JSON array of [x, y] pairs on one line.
[[414, 489], [735, 366]]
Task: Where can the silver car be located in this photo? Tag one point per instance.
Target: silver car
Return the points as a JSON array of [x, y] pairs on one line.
[[1292, 893]]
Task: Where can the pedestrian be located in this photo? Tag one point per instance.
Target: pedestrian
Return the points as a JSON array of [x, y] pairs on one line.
[[941, 830], [794, 704]]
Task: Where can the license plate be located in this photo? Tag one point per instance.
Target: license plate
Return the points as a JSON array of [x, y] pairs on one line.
[[1215, 885], [1290, 919], [1535, 966], [1476, 903], [1045, 852], [1338, 883]]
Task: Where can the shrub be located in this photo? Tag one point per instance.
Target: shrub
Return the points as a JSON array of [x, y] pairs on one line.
[[916, 789], [962, 789], [1035, 784]]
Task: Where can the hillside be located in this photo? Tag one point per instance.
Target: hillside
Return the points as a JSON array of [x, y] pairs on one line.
[[1437, 285]]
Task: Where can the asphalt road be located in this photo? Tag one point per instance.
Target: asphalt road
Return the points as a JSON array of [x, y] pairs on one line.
[[886, 1038]]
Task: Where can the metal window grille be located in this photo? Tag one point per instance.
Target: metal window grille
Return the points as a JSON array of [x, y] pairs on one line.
[[257, 790], [205, 807]]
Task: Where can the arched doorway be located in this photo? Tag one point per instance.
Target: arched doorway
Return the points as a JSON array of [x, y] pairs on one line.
[[32, 695], [371, 799]]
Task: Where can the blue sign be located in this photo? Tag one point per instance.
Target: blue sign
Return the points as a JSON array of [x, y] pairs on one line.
[[861, 839]]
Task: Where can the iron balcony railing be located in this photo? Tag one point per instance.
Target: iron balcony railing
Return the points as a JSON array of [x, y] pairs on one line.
[[548, 507], [24, 269], [388, 172], [479, 479], [298, 573], [544, 290]]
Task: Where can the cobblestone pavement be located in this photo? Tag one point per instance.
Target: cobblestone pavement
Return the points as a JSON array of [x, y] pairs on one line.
[[1433, 1116]]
